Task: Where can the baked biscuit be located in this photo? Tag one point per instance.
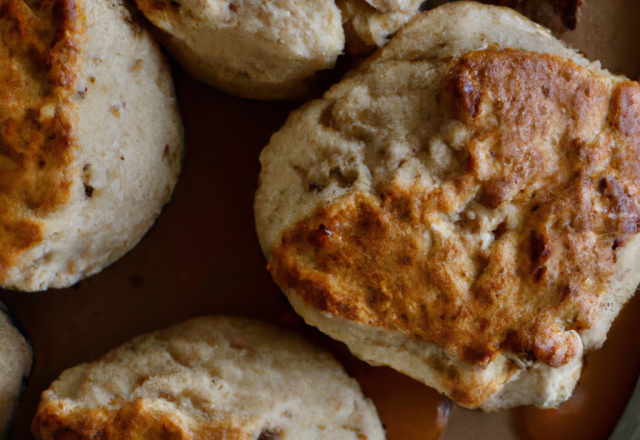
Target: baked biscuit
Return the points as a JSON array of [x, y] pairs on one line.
[[16, 358], [464, 207], [270, 50], [90, 139], [209, 378], [370, 24]]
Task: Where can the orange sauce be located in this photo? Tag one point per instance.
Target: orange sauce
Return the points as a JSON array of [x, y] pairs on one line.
[[409, 410], [607, 382]]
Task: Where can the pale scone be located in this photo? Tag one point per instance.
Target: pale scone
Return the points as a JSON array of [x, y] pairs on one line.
[[272, 49], [16, 358], [90, 138], [370, 24], [250, 48], [209, 378], [464, 207]]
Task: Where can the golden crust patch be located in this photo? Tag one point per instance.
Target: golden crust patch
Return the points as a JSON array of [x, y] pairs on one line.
[[555, 151], [132, 421], [39, 45]]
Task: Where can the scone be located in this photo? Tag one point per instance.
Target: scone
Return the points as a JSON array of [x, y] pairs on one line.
[[16, 358], [272, 49], [209, 378], [464, 207], [90, 139], [369, 24]]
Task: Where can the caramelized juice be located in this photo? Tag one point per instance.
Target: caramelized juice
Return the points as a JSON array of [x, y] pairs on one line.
[[607, 382], [409, 410]]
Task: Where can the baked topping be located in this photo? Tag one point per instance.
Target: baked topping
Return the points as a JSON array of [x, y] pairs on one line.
[[514, 246], [136, 419], [38, 50]]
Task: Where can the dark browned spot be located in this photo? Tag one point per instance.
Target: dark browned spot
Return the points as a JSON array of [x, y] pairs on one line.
[[326, 117], [499, 231], [271, 434], [540, 248], [539, 273], [466, 96], [617, 243], [314, 187]]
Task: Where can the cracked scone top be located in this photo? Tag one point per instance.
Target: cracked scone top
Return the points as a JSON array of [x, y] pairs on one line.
[[271, 49], [15, 366], [209, 378], [464, 207], [90, 139]]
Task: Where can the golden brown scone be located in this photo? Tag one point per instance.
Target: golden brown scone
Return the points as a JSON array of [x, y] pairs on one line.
[[272, 49], [464, 207], [207, 379], [16, 358], [90, 139]]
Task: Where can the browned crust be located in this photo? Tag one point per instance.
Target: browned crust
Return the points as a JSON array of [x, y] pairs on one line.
[[363, 258], [38, 52], [132, 421]]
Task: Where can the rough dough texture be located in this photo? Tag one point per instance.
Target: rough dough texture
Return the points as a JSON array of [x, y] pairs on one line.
[[15, 366], [370, 25], [209, 378], [90, 139], [464, 207], [271, 49]]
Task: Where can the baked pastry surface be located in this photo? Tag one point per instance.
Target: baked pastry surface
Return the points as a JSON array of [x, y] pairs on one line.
[[90, 139], [271, 50], [464, 207], [209, 378]]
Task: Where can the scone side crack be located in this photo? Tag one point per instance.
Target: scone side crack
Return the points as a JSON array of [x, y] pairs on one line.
[[39, 47], [515, 249]]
